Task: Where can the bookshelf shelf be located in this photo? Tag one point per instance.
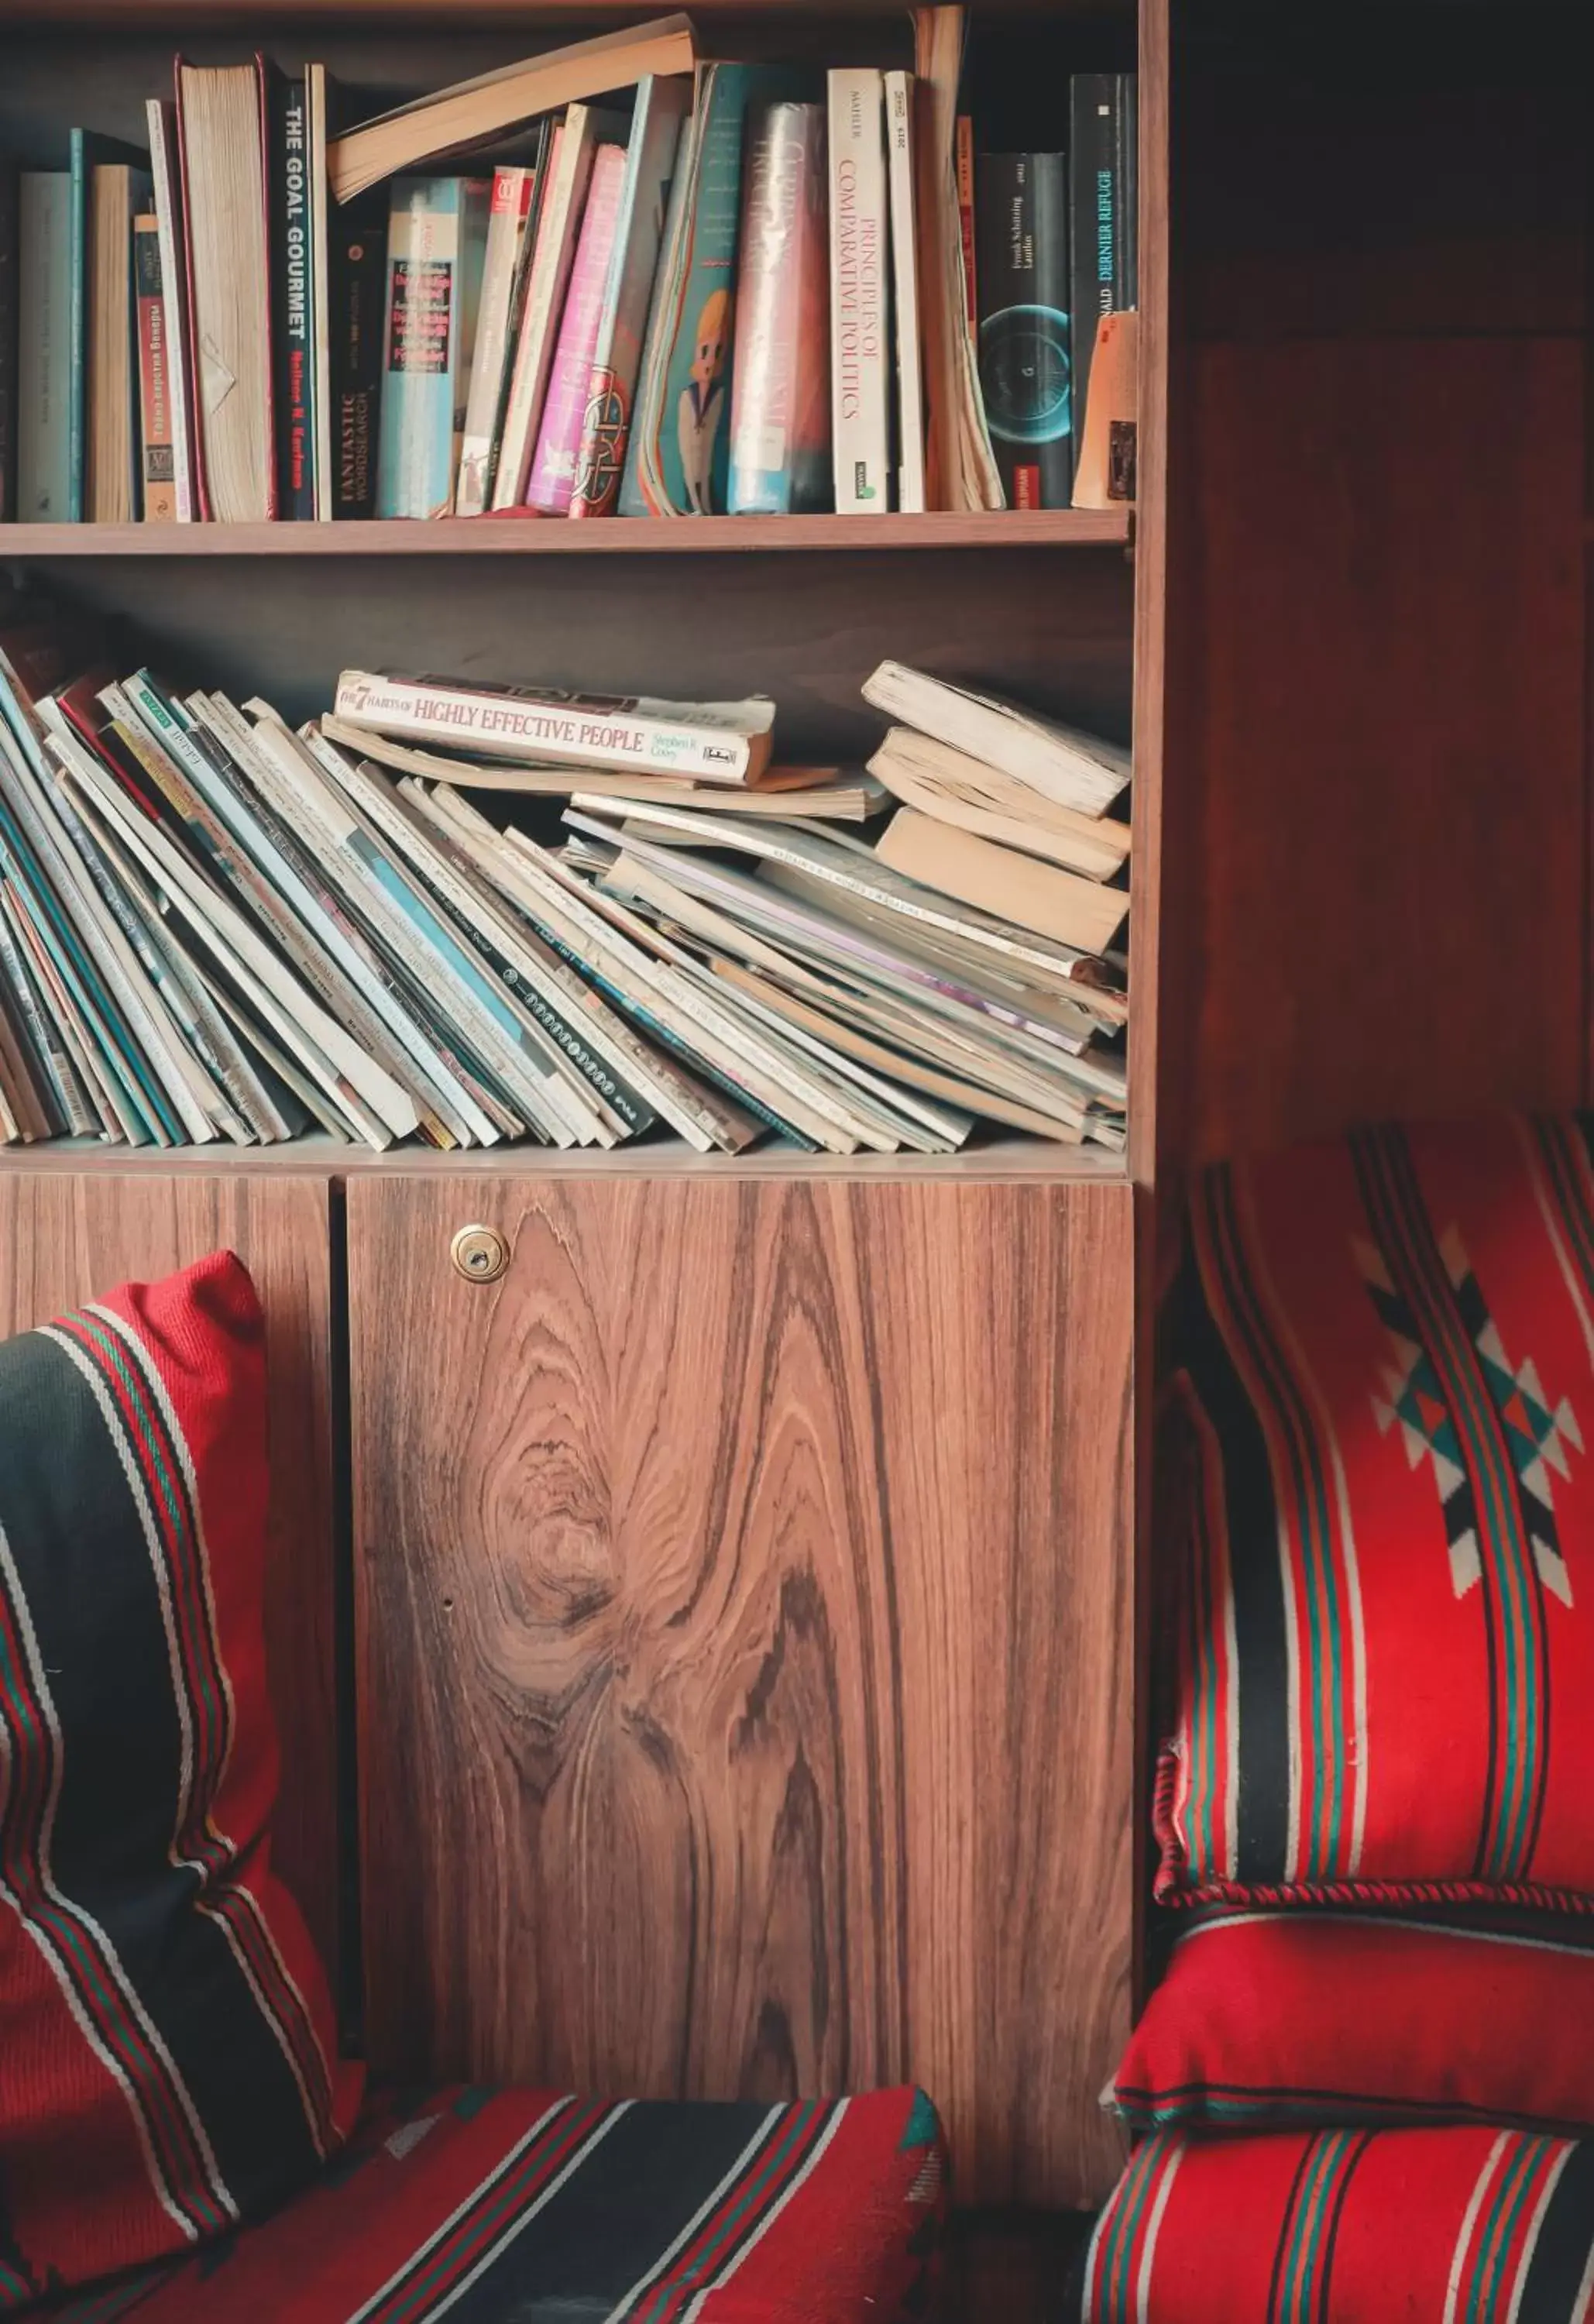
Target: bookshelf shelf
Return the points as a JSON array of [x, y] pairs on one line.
[[608, 537], [999, 1158]]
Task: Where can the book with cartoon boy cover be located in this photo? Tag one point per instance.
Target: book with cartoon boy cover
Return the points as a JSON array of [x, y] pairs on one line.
[[679, 459]]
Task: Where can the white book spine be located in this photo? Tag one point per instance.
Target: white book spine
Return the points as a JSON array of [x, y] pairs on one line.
[[506, 224], [569, 166], [910, 391], [510, 726], [859, 370]]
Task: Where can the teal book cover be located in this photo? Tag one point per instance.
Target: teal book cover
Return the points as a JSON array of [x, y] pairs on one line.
[[436, 245], [681, 459]]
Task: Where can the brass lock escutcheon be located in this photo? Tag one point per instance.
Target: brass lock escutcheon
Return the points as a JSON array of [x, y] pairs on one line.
[[479, 1253]]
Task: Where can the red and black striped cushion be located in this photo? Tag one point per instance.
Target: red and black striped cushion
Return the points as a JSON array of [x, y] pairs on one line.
[[1273, 2020], [521, 2208], [1470, 2225], [168, 2062], [1381, 1454]]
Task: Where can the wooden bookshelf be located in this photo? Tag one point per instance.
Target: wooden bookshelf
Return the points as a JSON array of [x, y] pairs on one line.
[[713, 536], [875, 1423]]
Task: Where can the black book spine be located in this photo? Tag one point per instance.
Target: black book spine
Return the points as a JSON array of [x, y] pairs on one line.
[[1095, 216], [358, 253], [1021, 234], [10, 228], [290, 300], [1128, 241]]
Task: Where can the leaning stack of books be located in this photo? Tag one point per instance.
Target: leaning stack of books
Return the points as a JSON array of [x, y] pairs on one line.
[[213, 926], [686, 288]]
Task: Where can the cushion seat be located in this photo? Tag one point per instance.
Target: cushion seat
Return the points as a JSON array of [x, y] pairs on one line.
[[525, 2207]]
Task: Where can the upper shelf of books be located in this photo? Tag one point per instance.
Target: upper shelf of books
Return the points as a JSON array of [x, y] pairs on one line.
[[864, 279]]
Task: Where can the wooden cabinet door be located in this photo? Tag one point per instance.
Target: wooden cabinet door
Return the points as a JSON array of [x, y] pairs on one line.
[[743, 1617], [67, 1236]]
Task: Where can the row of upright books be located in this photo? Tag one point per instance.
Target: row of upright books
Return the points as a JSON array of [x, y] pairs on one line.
[[219, 927], [685, 287]]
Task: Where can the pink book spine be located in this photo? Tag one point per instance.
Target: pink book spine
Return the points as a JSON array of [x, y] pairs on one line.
[[553, 469]]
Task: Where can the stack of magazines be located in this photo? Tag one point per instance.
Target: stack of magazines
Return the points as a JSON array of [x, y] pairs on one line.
[[213, 926]]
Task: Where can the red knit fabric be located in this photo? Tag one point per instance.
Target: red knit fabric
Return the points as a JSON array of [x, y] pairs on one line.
[[1380, 1460], [169, 2055], [1277, 2020], [1347, 2226], [530, 2206]]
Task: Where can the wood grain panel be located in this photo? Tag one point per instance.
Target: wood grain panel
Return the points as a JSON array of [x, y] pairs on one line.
[[1378, 745], [65, 1239], [744, 1623]]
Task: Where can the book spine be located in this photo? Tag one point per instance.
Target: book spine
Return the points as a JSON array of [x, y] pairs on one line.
[[44, 349], [77, 331], [168, 211], [1095, 206], [415, 464], [10, 232], [553, 469], [1023, 339], [288, 165], [967, 211], [1127, 287], [156, 466], [553, 241], [900, 110], [357, 266], [317, 204], [519, 726], [617, 355], [62, 1075], [506, 227], [858, 230], [780, 403]]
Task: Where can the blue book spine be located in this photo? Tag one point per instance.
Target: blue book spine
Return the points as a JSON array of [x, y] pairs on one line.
[[437, 239]]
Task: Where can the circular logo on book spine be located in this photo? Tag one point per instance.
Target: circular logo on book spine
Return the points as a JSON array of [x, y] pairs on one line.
[[1024, 371]]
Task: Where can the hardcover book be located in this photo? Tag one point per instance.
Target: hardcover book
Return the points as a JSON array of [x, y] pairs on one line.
[[661, 107], [437, 238], [553, 467], [168, 203], [858, 403], [358, 291], [1100, 138], [780, 409], [1024, 332], [223, 136], [291, 323], [45, 346]]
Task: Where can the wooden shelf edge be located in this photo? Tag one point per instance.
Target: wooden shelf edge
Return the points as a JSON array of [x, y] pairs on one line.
[[608, 537], [323, 1157]]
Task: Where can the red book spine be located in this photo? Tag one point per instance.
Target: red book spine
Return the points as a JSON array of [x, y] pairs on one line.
[[966, 214]]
